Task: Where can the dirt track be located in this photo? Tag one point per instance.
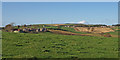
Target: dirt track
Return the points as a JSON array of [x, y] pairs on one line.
[[71, 33], [67, 33], [76, 29]]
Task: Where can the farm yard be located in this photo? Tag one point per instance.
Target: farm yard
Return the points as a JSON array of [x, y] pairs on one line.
[[60, 42]]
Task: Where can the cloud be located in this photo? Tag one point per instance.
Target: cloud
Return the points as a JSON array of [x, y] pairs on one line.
[[80, 22]]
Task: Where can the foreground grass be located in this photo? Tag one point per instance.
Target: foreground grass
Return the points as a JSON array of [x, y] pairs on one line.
[[48, 45]]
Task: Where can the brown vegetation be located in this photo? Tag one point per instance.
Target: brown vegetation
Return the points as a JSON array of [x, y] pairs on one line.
[[94, 29], [107, 35]]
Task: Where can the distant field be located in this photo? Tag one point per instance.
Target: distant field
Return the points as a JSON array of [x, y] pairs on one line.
[[70, 29], [49, 45]]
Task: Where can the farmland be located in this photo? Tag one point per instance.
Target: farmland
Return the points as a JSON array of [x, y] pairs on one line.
[[50, 45], [60, 42]]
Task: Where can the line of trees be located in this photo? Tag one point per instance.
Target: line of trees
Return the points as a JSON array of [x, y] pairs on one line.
[[116, 25]]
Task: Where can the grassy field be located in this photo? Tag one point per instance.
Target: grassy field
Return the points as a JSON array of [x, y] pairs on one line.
[[49, 45]]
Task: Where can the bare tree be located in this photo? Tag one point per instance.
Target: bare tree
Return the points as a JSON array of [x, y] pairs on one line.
[[8, 27]]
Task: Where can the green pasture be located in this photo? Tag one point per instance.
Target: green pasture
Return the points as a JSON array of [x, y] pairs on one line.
[[49, 45]]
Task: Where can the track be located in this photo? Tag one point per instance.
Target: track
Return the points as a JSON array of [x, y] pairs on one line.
[[67, 33], [76, 29]]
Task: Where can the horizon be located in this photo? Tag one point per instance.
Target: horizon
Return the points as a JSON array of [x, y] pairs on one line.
[[62, 23]]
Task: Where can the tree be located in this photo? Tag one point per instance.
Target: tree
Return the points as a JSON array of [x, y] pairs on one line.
[[8, 27]]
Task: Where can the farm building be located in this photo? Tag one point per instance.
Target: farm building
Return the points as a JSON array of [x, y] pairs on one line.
[[27, 30]]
